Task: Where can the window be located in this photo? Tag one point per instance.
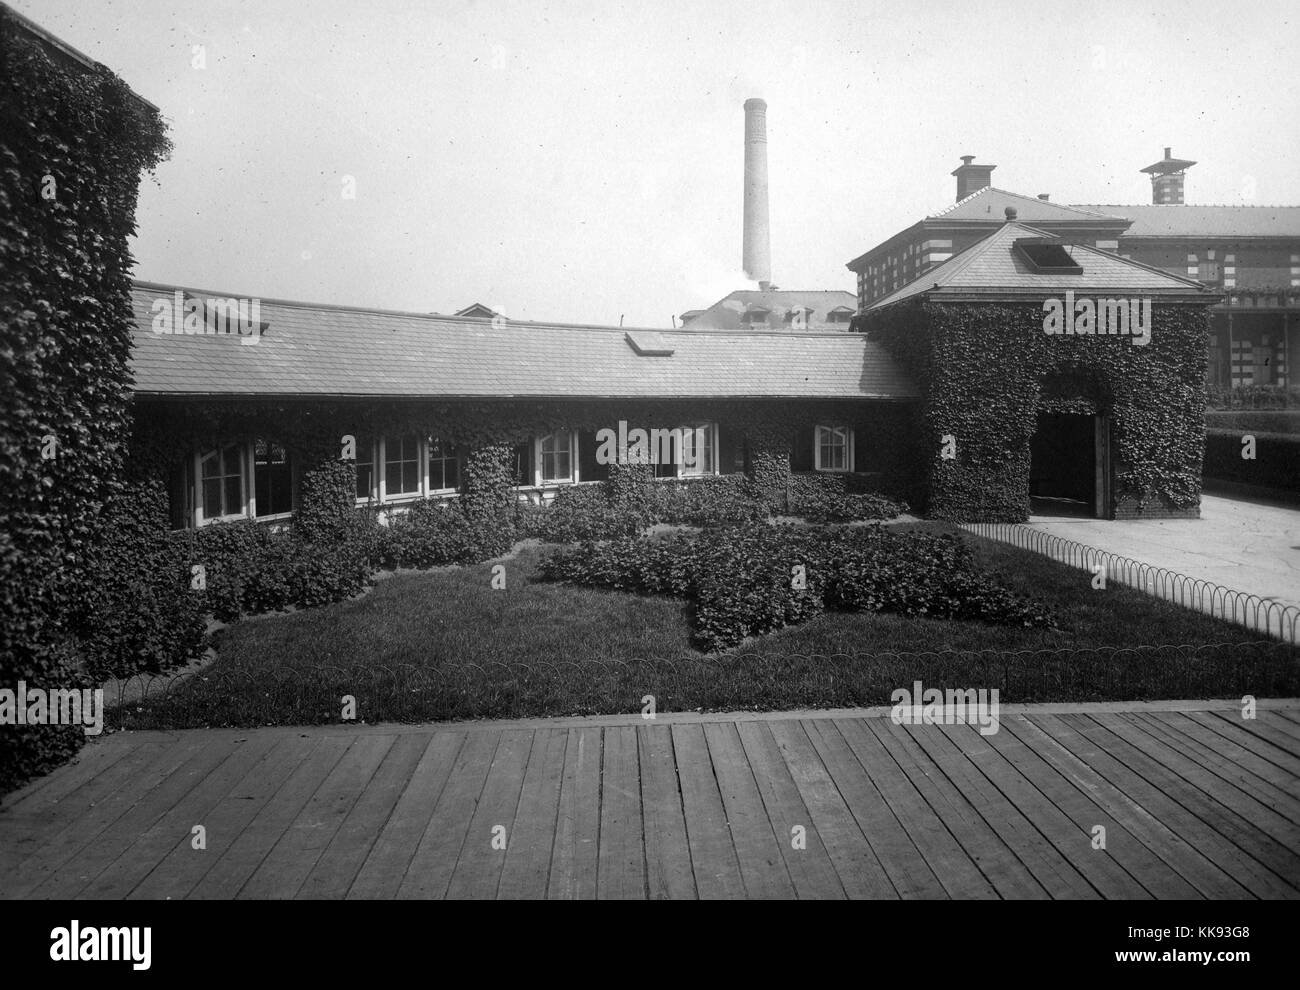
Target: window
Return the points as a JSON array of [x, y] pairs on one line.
[[833, 448], [697, 450], [524, 463], [756, 317], [444, 466], [221, 489], [366, 487], [272, 479], [401, 466], [691, 453], [555, 453]]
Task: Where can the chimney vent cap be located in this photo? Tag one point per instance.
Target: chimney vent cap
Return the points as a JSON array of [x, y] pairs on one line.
[[1045, 197], [1010, 211]]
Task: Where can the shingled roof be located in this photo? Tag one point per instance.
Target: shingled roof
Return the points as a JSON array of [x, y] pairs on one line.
[[1181, 220], [989, 203], [319, 351], [993, 267]]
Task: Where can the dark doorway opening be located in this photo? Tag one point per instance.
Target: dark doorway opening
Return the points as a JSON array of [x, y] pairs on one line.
[[1067, 466]]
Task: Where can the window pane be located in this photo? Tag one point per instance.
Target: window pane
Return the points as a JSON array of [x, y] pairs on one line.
[[234, 495], [231, 457], [211, 498]]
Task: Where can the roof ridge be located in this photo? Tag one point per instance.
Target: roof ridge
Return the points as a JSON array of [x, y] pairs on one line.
[[1018, 195], [487, 321]]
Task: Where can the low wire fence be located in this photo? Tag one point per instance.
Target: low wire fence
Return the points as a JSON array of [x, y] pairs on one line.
[[447, 690], [1258, 614]]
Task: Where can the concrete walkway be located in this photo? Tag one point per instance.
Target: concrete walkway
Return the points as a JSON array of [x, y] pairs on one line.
[[1129, 800], [1248, 546]]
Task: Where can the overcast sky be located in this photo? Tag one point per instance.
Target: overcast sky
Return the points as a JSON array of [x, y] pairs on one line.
[[582, 161]]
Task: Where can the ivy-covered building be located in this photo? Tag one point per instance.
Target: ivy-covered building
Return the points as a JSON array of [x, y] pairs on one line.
[[1249, 254], [1055, 376], [233, 408]]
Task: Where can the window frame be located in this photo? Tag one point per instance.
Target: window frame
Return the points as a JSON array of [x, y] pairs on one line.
[[539, 459], [372, 497], [421, 476], [456, 457], [847, 433], [244, 450]]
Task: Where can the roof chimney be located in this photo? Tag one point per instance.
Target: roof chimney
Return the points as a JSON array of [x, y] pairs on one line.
[[756, 245], [1010, 213], [1167, 179], [971, 178], [1044, 196]]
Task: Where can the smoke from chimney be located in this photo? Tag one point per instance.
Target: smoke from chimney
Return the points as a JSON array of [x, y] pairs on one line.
[[756, 245]]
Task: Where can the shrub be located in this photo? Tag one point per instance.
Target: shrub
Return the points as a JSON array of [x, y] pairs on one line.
[[1276, 463], [135, 611], [837, 498], [743, 581]]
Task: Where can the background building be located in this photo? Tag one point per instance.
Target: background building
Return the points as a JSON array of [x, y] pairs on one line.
[[1250, 253]]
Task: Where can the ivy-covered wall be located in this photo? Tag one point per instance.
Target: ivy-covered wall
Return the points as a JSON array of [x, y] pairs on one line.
[[165, 432], [988, 369], [74, 144]]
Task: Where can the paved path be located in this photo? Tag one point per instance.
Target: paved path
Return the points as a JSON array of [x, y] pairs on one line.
[[1249, 546], [1195, 802], [1240, 561]]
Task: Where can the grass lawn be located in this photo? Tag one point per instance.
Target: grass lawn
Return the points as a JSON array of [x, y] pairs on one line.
[[445, 645]]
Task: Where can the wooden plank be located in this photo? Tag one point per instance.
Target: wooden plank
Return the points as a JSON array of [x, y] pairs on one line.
[[717, 870], [237, 863], [205, 754], [431, 867], [809, 864], [121, 876], [1151, 876], [907, 780], [1267, 846], [182, 868], [1202, 855], [1004, 849], [91, 761], [621, 870], [532, 837], [1242, 734], [669, 874], [762, 866], [291, 859], [1046, 737], [577, 825], [1277, 720], [843, 807], [381, 874], [337, 867], [82, 816], [1267, 730], [1207, 756], [483, 855], [1247, 759], [1069, 838]]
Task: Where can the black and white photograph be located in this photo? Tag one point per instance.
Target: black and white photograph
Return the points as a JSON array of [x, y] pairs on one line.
[[730, 450]]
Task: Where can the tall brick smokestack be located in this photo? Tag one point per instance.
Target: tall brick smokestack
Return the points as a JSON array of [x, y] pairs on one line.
[[757, 246]]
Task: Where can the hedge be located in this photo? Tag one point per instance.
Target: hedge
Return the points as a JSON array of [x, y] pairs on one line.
[[1254, 421], [744, 581], [74, 144], [1276, 463]]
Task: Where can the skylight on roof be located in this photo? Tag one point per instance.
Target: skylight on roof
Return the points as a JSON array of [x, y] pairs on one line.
[[649, 344], [1047, 256]]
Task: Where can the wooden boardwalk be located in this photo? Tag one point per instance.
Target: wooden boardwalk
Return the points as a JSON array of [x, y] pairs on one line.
[[1195, 803]]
